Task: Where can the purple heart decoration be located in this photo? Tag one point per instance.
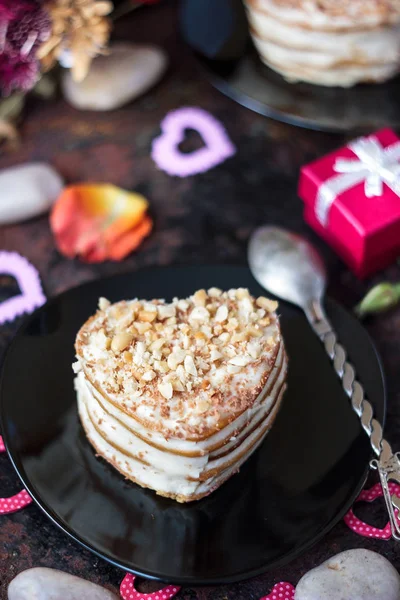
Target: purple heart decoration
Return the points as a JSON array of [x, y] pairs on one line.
[[217, 145], [28, 280]]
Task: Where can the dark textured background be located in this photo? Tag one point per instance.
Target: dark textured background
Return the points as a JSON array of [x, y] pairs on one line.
[[200, 219]]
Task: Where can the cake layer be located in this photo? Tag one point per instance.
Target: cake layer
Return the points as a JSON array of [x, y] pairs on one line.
[[341, 77], [173, 486]]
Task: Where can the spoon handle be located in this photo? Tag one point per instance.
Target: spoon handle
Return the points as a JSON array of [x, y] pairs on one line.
[[387, 463]]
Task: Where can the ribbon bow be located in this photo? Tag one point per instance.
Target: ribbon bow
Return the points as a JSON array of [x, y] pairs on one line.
[[375, 165]]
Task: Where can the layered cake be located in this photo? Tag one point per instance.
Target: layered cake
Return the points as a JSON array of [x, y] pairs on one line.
[[176, 396], [328, 42]]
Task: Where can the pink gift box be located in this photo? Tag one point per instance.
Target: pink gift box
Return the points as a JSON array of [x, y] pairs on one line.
[[352, 200]]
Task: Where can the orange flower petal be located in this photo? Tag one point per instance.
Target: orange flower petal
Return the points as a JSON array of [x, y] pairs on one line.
[[128, 242], [99, 221]]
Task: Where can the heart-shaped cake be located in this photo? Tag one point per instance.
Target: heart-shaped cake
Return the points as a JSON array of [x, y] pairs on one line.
[[176, 396]]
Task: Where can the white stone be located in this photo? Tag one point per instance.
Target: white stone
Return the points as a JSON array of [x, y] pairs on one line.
[[49, 584], [27, 190], [117, 78], [352, 575]]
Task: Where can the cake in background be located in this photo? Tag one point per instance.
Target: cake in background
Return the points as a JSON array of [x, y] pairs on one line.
[[328, 42]]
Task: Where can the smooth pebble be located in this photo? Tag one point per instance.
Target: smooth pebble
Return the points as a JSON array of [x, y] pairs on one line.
[[352, 575], [27, 190], [125, 73], [49, 584]]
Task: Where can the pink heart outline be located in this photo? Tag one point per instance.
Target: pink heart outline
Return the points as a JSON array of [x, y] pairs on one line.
[[165, 152], [363, 529], [28, 280], [128, 591], [281, 591], [16, 502]]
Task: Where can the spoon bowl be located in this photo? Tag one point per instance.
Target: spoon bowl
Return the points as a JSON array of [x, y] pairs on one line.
[[286, 265]]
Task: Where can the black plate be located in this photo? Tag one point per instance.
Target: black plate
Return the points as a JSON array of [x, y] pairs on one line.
[[289, 494], [233, 66]]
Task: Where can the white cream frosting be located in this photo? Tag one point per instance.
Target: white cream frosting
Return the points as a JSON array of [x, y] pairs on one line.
[[167, 472]]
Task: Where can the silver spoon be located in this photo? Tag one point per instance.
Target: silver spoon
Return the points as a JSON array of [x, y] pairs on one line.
[[289, 267]]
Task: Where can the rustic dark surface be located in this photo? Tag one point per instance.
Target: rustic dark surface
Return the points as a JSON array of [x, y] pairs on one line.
[[200, 219]]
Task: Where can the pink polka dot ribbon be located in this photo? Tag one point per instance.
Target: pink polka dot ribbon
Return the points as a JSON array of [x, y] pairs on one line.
[[364, 529], [281, 591], [128, 591], [14, 503]]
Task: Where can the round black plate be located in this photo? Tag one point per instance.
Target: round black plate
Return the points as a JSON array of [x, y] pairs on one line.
[[291, 492], [233, 66]]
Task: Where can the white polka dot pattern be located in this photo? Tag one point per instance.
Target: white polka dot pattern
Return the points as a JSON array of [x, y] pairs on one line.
[[281, 591], [364, 529], [128, 591], [14, 503]]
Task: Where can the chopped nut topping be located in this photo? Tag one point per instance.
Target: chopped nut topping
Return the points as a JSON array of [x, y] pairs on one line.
[[215, 355], [240, 361], [199, 298], [175, 358], [166, 311], [264, 322], [190, 366], [142, 327], [158, 344], [183, 305], [161, 366], [188, 346], [222, 314], [214, 292], [149, 376], [267, 304], [177, 385], [254, 332], [165, 390], [121, 341], [102, 340], [242, 293], [199, 313], [128, 356], [103, 303], [147, 316]]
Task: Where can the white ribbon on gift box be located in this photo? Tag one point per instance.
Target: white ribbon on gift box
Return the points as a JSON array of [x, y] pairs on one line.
[[375, 165]]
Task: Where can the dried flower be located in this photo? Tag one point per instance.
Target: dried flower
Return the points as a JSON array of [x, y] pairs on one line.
[[24, 26], [80, 30], [380, 298]]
